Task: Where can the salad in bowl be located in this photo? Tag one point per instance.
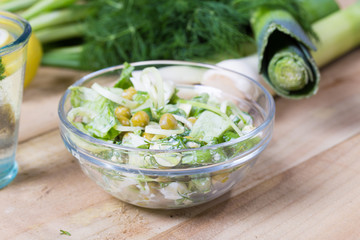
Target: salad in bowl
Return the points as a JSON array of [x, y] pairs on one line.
[[149, 139]]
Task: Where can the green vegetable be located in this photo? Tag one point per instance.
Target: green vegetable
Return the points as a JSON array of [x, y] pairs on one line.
[[124, 81], [60, 32], [208, 126], [93, 113], [316, 10], [133, 140], [161, 30], [171, 108], [63, 232], [283, 47], [212, 109], [58, 17], [186, 30], [244, 145], [168, 159], [197, 158], [229, 135], [338, 33], [193, 30], [99, 113], [16, 5], [202, 98], [140, 97], [2, 70], [68, 57], [202, 184], [204, 157], [284, 59], [104, 121], [114, 95], [82, 95], [45, 6]]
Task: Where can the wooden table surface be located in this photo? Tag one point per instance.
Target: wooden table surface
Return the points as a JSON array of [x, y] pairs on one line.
[[306, 184]]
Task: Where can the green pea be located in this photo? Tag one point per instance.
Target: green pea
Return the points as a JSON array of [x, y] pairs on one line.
[[168, 121], [122, 111], [140, 119]]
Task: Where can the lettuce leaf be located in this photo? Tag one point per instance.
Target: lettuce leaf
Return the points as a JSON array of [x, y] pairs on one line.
[[101, 121], [124, 81]]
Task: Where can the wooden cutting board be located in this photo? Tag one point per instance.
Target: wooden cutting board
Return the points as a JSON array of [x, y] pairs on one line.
[[306, 184]]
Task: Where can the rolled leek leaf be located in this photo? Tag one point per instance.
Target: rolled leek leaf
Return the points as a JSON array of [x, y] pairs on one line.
[[283, 50]]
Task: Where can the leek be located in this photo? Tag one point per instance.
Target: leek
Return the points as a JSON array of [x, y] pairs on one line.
[[338, 33], [284, 59], [284, 50], [318, 9]]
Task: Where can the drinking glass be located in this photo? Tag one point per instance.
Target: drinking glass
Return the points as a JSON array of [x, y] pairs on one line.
[[14, 36]]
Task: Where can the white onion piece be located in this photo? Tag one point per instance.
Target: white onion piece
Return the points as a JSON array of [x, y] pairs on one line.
[[183, 120]]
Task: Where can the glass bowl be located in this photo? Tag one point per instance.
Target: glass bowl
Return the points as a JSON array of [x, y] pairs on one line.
[[113, 166]]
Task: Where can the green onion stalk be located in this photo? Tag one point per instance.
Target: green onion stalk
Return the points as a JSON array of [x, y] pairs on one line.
[[283, 49], [51, 20], [16, 5]]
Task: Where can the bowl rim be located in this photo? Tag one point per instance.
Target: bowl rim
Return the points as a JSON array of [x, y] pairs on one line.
[[63, 119]]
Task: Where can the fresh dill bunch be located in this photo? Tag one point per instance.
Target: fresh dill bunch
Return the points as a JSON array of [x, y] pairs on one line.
[[161, 29], [137, 30]]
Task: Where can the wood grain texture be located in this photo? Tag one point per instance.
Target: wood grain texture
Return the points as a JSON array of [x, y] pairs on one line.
[[304, 186], [300, 203], [307, 171]]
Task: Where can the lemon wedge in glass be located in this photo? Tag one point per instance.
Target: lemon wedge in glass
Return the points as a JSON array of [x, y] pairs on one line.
[[14, 61], [5, 37]]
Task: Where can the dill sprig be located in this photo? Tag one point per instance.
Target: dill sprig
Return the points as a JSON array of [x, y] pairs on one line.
[[63, 232], [2, 70]]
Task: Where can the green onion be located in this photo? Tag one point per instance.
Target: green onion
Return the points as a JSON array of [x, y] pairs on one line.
[[16, 5], [68, 57], [45, 6], [61, 32], [58, 17]]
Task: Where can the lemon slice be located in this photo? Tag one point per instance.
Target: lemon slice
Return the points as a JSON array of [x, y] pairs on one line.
[[5, 37], [13, 61]]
